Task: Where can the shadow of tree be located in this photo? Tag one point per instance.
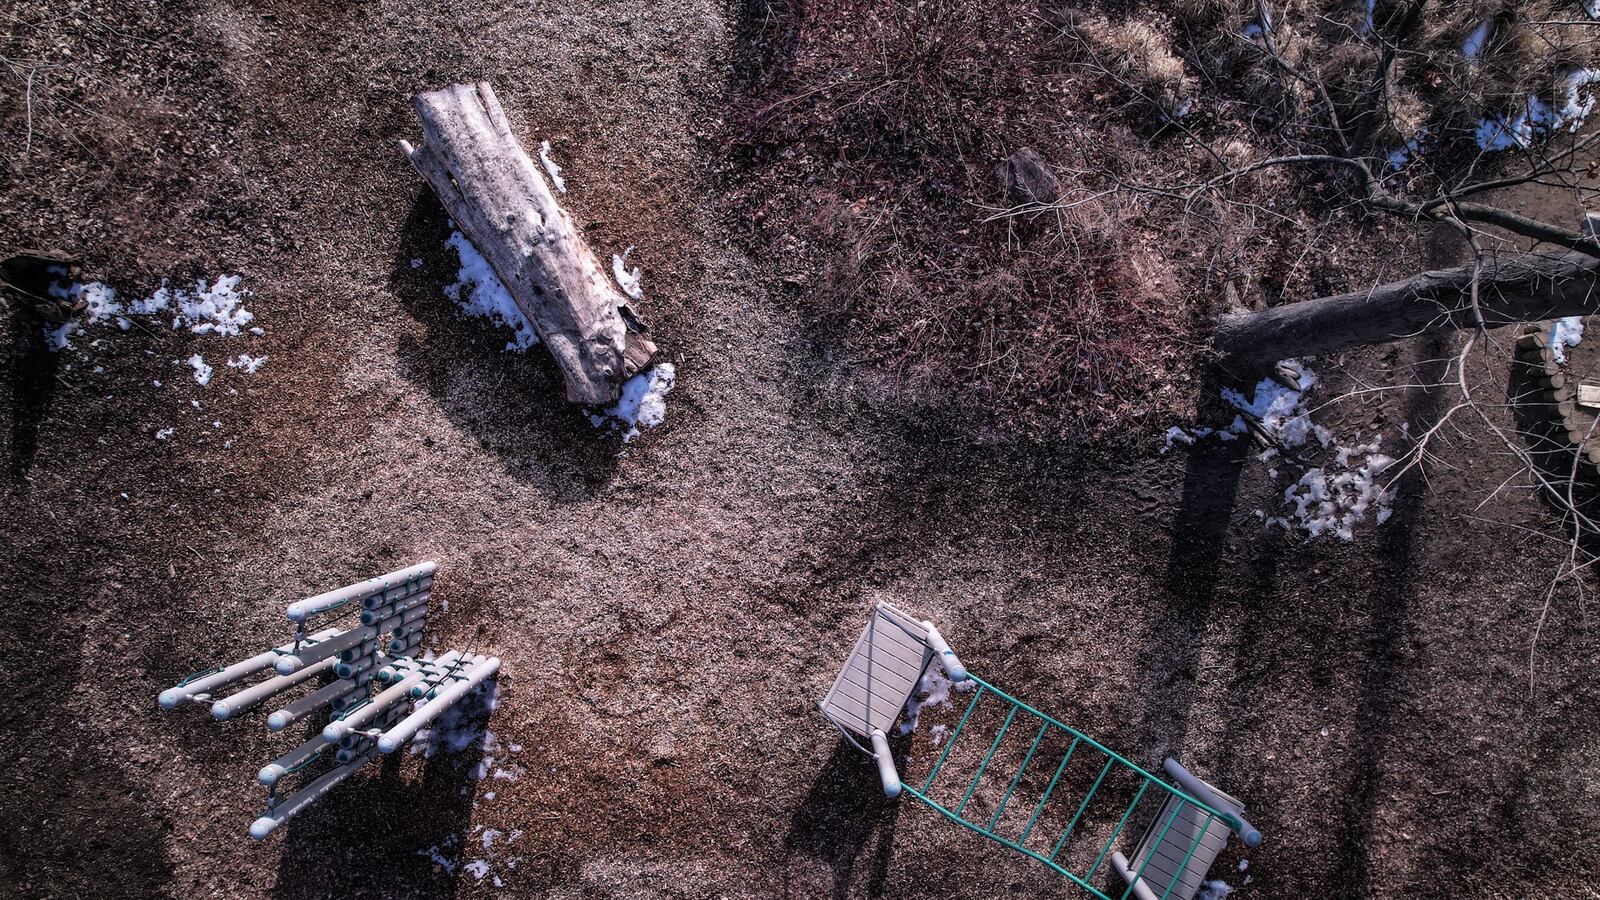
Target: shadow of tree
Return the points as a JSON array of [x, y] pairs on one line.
[[33, 385]]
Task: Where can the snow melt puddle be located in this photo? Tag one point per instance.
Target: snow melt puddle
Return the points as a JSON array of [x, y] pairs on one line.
[[1328, 499], [478, 291]]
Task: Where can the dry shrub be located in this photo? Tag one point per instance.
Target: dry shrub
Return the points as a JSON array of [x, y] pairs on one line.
[[1139, 52], [871, 168]]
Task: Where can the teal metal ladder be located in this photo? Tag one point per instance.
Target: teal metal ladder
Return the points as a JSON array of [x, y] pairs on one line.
[[1017, 712]]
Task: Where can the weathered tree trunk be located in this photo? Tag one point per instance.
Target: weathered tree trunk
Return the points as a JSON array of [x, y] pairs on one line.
[[499, 199], [1523, 287]]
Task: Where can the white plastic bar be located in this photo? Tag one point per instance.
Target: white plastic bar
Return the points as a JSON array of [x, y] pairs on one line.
[[304, 706], [304, 797], [411, 615], [354, 667], [947, 657], [397, 594], [402, 666], [396, 737], [337, 729], [401, 645], [322, 649], [438, 672], [272, 771], [373, 614], [173, 698], [301, 610], [234, 704], [886, 773]]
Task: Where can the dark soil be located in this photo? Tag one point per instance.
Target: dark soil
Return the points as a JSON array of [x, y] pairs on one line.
[[669, 611]]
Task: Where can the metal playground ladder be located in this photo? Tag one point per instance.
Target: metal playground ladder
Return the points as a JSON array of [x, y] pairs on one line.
[[1179, 842]]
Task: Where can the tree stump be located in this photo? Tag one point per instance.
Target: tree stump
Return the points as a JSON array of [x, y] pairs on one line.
[[499, 199]]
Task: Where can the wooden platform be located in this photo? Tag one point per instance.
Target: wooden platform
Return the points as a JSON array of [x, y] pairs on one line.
[[880, 674]]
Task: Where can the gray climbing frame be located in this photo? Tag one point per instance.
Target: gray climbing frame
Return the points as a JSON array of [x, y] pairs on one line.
[[382, 652], [1169, 862]]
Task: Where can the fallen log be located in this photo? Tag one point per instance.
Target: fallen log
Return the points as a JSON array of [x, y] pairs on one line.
[[498, 198], [1521, 287]]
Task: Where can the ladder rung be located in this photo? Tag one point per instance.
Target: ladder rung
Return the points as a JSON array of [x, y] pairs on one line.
[[1154, 849], [983, 766], [1144, 786], [1193, 846], [1049, 790], [995, 820], [1110, 760], [971, 705]]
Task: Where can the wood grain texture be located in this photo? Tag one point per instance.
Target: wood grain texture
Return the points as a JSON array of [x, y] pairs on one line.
[[499, 199]]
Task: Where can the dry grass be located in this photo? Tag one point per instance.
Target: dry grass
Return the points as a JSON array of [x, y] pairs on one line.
[[874, 162]]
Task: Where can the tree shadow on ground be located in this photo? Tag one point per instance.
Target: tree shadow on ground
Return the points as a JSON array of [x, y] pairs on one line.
[[513, 404], [33, 385], [75, 824], [1164, 686], [838, 819], [381, 835], [1392, 592]]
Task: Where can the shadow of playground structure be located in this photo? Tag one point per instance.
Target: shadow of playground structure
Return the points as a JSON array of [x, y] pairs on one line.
[[377, 834], [839, 818]]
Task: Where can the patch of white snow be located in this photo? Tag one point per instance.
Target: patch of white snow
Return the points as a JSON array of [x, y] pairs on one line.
[[485, 296]]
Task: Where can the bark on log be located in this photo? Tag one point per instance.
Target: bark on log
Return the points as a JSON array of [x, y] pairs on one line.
[[499, 199], [1522, 287]]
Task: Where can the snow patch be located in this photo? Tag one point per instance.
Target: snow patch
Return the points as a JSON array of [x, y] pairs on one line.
[[1216, 889], [485, 296], [209, 308], [1537, 118], [1473, 45], [627, 280], [1564, 333], [202, 372], [932, 691], [550, 167], [247, 364], [1331, 498], [643, 401], [218, 309]]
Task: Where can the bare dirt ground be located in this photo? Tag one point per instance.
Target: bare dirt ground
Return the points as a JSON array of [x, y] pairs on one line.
[[668, 611]]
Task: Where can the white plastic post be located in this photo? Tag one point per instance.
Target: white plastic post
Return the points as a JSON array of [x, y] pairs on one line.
[[299, 709], [173, 698], [396, 737], [234, 704], [322, 649], [338, 728], [886, 773], [947, 657], [304, 797], [301, 610]]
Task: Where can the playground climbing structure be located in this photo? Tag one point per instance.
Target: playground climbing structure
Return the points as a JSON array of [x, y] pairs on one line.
[[372, 685]]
